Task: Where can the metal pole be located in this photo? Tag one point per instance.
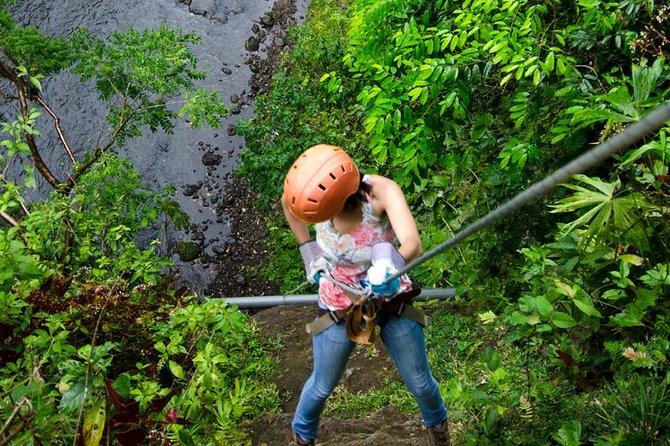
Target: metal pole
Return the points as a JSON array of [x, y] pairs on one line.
[[304, 299]]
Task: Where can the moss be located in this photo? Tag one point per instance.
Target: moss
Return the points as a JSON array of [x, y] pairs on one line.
[[188, 250]]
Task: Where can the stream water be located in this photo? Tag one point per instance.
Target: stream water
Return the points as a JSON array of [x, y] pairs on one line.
[[164, 159]]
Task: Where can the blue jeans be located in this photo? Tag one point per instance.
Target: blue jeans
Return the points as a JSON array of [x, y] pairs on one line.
[[405, 342]]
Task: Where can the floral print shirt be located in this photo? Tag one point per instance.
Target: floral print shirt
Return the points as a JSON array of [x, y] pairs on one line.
[[349, 256]]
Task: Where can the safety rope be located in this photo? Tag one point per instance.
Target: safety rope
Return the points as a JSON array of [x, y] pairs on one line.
[[652, 122], [294, 290]]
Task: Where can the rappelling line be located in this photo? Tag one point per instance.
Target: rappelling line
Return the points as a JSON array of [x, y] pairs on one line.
[[652, 122], [302, 285]]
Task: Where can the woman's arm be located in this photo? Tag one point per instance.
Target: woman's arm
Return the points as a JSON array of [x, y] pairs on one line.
[[298, 227], [387, 197]]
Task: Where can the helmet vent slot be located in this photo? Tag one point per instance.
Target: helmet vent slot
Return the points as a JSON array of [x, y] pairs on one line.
[[322, 187], [332, 176]]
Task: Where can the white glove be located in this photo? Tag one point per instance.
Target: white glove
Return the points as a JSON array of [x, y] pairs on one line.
[[315, 263], [380, 270], [386, 261]]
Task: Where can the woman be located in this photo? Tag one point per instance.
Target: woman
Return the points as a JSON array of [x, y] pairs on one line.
[[358, 220]]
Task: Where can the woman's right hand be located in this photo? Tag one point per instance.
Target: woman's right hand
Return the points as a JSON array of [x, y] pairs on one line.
[[315, 263]]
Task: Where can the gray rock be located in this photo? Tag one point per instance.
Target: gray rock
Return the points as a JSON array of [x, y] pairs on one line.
[[191, 189], [188, 250], [211, 159], [252, 44]]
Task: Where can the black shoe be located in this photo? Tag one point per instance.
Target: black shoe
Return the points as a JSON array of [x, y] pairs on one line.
[[439, 435]]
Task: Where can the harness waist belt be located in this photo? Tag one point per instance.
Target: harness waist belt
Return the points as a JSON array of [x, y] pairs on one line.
[[400, 306]]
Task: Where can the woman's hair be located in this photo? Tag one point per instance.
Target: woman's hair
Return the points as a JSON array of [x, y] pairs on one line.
[[355, 200]]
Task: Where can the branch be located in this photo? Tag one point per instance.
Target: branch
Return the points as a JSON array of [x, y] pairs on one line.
[[97, 153], [11, 417], [23, 94], [11, 222], [59, 130], [7, 438], [7, 97], [39, 163], [9, 219]]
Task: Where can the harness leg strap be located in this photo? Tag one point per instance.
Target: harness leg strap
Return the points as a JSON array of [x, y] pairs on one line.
[[324, 321]]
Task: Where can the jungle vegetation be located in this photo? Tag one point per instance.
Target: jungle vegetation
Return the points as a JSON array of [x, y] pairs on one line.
[[96, 344], [563, 335]]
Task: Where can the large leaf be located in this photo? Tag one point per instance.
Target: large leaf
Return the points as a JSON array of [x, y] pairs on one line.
[[94, 424], [605, 212], [563, 320], [585, 304]]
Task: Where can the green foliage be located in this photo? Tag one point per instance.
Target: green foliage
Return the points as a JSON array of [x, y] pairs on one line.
[[138, 72], [299, 111], [94, 345], [606, 214], [343, 403], [19, 271], [214, 380], [109, 206], [213, 352], [502, 392], [465, 104], [27, 46], [638, 412]]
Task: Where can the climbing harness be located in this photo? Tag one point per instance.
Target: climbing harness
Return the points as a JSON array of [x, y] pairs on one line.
[[652, 122], [366, 312]]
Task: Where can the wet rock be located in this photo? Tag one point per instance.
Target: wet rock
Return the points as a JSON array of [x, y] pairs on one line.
[[241, 280], [226, 70], [201, 12], [191, 189], [267, 20], [234, 99], [188, 250], [235, 110], [218, 249], [186, 2], [255, 28], [232, 129], [252, 44], [211, 159]]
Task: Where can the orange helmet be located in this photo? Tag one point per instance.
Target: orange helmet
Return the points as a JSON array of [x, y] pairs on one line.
[[319, 182]]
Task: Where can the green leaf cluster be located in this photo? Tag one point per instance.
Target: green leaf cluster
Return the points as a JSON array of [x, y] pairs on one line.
[[140, 73], [93, 337]]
